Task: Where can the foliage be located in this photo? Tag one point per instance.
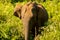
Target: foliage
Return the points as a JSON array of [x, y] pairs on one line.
[[11, 27]]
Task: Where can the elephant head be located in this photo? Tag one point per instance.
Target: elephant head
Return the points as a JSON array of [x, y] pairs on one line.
[[18, 8]]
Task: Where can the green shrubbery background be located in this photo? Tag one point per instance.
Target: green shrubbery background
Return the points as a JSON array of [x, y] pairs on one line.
[[11, 27]]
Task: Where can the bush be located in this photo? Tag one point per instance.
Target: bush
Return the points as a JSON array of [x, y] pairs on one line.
[[11, 27]]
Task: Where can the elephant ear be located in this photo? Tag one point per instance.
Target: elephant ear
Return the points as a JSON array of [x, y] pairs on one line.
[[43, 11], [17, 10], [43, 14]]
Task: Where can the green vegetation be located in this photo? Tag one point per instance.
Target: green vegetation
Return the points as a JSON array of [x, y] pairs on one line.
[[11, 27]]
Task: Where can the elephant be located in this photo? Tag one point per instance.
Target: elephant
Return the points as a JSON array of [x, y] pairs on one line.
[[33, 16]]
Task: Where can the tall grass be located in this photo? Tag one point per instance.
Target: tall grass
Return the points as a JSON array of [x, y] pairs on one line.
[[11, 27]]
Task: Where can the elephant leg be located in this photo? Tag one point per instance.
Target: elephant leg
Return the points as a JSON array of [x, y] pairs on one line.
[[36, 31], [33, 32]]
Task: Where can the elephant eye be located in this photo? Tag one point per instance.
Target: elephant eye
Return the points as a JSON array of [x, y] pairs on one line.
[[19, 10]]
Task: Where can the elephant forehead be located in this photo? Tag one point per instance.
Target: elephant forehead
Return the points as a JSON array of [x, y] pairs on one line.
[[27, 11], [23, 10]]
